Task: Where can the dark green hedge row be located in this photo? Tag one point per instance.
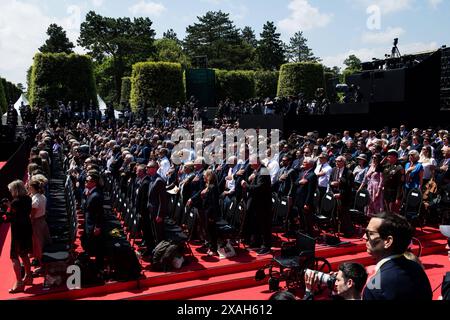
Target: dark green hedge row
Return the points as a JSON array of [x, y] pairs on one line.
[[125, 90], [12, 93], [242, 85], [59, 76], [156, 83], [298, 78], [266, 83], [236, 85], [3, 103]]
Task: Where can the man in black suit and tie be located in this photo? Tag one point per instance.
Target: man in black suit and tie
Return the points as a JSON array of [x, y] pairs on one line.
[[258, 220], [142, 183], [306, 185], [94, 216], [157, 205], [341, 184], [397, 278]]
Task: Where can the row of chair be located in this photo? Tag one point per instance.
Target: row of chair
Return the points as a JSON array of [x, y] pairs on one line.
[[61, 218]]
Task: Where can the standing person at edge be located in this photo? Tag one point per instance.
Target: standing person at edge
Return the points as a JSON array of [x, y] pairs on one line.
[[258, 219], [397, 278], [393, 182]]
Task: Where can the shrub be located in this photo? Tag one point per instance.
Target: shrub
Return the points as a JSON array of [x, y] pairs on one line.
[[59, 76], [3, 103], [236, 85], [304, 77], [156, 83], [266, 83], [125, 90]]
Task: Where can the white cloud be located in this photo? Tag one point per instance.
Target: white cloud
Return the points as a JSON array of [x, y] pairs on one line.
[[434, 3], [304, 17], [147, 8], [382, 37], [23, 29], [388, 6], [366, 54], [97, 3]]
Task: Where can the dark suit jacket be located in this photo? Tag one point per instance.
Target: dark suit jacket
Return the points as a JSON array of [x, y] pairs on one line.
[[260, 194], [305, 193], [345, 185], [94, 211], [400, 279], [286, 188], [211, 203], [141, 195], [157, 204]]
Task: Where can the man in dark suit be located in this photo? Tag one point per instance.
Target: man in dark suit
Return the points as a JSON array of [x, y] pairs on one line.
[[397, 278], [94, 215], [157, 205], [258, 220], [341, 184], [306, 185], [142, 183]]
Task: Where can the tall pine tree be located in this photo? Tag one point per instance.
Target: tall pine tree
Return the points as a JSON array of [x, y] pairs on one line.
[[57, 41], [270, 51], [216, 37], [298, 50], [248, 34]]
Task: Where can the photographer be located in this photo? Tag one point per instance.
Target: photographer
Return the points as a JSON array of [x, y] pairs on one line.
[[346, 284]]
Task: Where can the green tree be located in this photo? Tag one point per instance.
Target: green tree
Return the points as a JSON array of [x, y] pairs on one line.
[[3, 102], [270, 51], [353, 62], [126, 41], [248, 34], [168, 50], [298, 50], [171, 35], [57, 41], [335, 71], [216, 37], [21, 87]]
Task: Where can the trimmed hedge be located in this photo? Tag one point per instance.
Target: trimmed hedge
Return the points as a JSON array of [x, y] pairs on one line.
[[156, 83], [303, 77], [3, 102], [10, 91], [125, 90], [236, 85], [266, 83], [59, 76]]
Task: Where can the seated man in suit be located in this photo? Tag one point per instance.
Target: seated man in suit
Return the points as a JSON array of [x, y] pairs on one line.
[[397, 278]]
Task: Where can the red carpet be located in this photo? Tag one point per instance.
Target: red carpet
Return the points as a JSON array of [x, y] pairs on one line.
[[210, 278]]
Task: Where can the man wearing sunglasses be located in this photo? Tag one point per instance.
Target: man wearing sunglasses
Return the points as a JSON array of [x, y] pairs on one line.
[[397, 278]]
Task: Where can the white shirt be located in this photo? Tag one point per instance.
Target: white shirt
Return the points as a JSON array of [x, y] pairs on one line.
[[164, 167], [273, 167], [427, 168], [39, 203], [325, 179], [345, 139], [231, 184]]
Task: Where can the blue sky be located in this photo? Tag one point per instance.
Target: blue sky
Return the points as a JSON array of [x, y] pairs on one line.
[[334, 28]]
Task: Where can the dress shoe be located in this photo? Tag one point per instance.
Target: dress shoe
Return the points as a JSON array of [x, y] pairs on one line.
[[18, 287]]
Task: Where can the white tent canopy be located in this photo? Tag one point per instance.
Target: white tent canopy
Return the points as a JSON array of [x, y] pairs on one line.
[[102, 106], [17, 105]]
